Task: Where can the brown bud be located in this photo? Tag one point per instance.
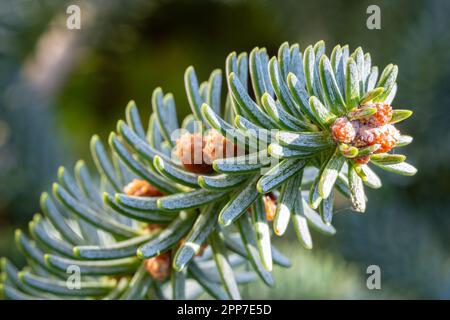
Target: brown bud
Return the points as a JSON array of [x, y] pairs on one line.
[[159, 267], [343, 130], [141, 188], [381, 117], [386, 136], [197, 152], [270, 205], [362, 160], [216, 146], [189, 149], [153, 227]]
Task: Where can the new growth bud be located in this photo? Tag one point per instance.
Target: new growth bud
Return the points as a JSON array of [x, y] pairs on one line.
[[159, 267], [197, 152], [367, 131], [141, 188]]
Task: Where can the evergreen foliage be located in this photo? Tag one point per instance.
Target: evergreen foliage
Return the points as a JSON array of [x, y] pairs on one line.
[[321, 120]]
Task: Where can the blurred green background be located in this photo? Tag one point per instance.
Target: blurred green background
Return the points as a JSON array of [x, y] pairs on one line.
[[58, 87]]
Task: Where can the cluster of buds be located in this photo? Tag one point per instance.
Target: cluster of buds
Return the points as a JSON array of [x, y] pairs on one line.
[[197, 152], [367, 126]]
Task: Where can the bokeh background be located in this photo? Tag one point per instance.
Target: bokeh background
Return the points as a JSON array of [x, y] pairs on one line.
[[58, 87]]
